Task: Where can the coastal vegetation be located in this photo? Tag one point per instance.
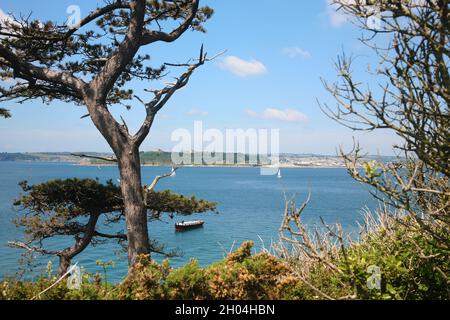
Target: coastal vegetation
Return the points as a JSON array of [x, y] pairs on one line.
[[407, 273]]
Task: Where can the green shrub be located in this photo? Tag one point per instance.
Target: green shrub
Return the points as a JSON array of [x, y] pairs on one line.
[[187, 282]]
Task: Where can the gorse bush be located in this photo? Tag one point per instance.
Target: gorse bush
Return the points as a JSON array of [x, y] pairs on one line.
[[243, 276], [240, 275]]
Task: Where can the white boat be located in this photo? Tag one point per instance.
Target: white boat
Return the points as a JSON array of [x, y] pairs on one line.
[[188, 225], [173, 173], [279, 174]]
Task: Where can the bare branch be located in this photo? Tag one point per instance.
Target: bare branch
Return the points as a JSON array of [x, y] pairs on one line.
[[93, 157], [158, 178], [23, 245]]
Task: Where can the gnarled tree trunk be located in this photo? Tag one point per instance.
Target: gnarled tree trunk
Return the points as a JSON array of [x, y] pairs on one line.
[[135, 211], [126, 149]]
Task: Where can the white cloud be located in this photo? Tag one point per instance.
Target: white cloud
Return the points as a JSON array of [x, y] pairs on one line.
[[242, 68], [295, 52], [287, 115], [197, 112]]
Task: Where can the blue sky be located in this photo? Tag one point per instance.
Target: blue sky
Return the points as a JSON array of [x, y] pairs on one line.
[[277, 51]]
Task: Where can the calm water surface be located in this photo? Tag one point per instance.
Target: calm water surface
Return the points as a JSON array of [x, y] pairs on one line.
[[250, 207]]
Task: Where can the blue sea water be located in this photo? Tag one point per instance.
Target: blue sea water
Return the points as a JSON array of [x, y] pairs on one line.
[[250, 208]]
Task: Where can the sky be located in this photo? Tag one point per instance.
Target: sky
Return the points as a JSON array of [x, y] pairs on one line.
[[277, 52]]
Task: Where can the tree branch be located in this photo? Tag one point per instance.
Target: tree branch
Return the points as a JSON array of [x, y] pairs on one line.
[[105, 79], [120, 236], [22, 245], [94, 157], [157, 178], [153, 36], [119, 4], [31, 73]]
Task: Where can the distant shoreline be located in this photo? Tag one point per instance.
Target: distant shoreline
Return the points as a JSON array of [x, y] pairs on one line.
[[164, 159], [213, 166]]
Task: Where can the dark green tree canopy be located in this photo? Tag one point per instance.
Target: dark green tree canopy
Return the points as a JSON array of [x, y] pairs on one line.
[[56, 207]]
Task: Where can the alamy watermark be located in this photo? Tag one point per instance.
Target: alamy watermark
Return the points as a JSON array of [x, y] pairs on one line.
[[374, 20], [74, 278], [74, 19], [374, 281], [251, 147]]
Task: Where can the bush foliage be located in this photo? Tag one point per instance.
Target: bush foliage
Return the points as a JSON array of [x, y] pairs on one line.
[[411, 266]]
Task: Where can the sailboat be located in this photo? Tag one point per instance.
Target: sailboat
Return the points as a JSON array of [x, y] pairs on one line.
[[173, 173], [279, 174]]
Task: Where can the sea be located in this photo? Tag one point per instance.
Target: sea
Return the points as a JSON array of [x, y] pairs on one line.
[[250, 207]]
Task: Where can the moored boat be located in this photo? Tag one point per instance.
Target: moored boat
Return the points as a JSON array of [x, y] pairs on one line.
[[188, 225]]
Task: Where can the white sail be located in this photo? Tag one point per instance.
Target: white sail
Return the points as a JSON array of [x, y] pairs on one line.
[[279, 173]]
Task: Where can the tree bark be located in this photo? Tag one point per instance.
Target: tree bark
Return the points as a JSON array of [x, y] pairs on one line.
[[135, 210]]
